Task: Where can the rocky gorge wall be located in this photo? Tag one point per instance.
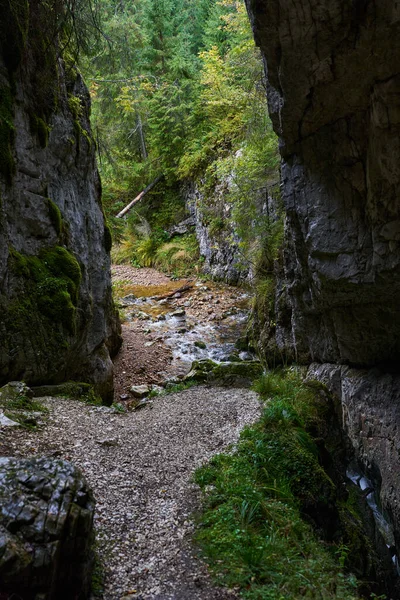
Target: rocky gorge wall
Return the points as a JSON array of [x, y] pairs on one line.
[[57, 318], [333, 91]]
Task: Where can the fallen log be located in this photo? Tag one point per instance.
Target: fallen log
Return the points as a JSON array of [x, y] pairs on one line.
[[139, 196]]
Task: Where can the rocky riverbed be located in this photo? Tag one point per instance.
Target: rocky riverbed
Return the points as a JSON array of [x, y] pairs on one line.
[[165, 330]]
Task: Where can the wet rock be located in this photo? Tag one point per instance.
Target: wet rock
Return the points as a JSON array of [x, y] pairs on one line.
[[142, 316], [140, 391], [242, 344], [369, 403], [201, 345], [178, 313], [128, 300], [46, 521]]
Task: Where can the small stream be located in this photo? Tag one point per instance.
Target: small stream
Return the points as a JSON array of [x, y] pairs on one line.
[[383, 526], [191, 337]]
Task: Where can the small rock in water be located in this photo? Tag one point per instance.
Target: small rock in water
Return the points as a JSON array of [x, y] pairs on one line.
[[179, 313], [161, 318], [140, 391], [128, 300], [177, 295], [142, 316], [163, 302], [201, 345]]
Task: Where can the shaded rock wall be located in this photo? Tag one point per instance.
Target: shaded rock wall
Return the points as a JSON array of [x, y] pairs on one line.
[[334, 98], [370, 415], [334, 89], [57, 319]]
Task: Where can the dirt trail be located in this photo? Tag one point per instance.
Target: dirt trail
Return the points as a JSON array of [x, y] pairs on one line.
[[140, 466]]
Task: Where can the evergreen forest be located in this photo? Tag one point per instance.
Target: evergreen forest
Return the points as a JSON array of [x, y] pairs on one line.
[[178, 96]]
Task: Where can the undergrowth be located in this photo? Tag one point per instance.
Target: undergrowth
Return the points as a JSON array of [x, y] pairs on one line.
[[177, 257], [251, 531]]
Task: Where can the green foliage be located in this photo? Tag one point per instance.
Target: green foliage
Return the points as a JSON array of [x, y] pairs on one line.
[[251, 531], [181, 92]]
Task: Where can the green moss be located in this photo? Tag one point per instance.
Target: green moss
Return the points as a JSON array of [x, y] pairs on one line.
[[107, 238], [62, 264], [75, 106], [40, 128], [7, 133], [51, 281], [55, 215], [69, 389]]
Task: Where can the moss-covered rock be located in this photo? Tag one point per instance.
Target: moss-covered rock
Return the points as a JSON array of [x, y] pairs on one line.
[[231, 373], [69, 389]]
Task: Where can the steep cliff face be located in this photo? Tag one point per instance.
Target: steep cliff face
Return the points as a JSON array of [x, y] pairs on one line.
[[57, 319], [334, 88], [215, 232]]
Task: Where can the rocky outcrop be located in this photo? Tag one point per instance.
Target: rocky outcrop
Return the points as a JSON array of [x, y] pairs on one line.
[[333, 87], [46, 519], [57, 319], [215, 232]]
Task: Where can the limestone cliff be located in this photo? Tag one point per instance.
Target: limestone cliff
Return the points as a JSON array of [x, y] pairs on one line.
[[334, 86], [57, 319], [334, 98]]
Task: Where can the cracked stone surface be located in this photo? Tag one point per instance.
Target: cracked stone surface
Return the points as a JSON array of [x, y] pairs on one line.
[[46, 523], [333, 89]]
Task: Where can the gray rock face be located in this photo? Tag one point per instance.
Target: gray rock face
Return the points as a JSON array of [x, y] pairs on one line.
[[334, 86], [370, 404], [57, 319], [46, 518], [219, 246]]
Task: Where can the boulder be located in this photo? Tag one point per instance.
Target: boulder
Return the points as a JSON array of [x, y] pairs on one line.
[[46, 521], [238, 374]]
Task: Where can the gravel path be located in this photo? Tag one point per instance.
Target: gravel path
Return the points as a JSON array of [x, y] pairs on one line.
[[139, 465]]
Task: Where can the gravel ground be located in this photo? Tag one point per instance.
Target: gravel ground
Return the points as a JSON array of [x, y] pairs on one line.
[[140, 465]]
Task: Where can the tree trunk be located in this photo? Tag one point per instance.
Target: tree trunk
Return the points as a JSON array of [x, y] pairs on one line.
[[139, 197]]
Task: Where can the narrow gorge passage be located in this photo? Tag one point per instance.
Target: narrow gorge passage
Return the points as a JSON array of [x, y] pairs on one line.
[[139, 465]]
